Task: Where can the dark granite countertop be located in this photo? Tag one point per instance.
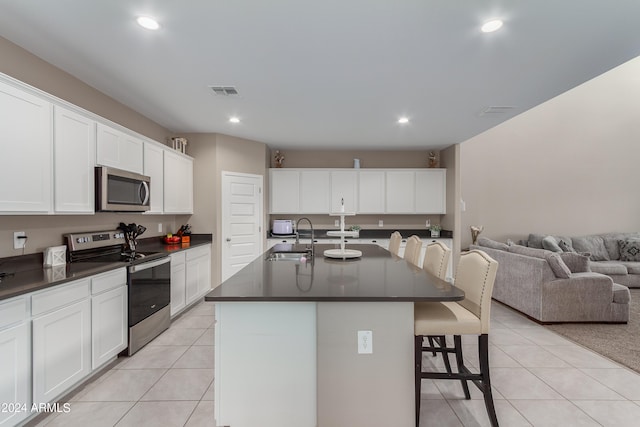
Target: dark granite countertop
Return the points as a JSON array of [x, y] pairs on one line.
[[26, 274], [377, 276]]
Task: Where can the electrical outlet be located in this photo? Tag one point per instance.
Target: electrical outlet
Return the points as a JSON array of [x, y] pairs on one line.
[[336, 223], [365, 342], [159, 227], [380, 223], [19, 243]]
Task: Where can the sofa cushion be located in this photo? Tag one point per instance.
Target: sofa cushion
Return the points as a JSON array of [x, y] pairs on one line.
[[488, 243], [551, 244], [629, 249], [558, 266], [576, 262], [609, 268], [592, 244], [535, 240], [612, 245], [556, 263], [529, 251], [633, 267], [566, 245], [621, 294]]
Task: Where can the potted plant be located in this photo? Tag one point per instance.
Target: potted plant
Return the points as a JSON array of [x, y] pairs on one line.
[[355, 228], [435, 230]]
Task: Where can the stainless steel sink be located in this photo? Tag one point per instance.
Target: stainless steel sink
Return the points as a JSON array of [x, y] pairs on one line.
[[288, 256]]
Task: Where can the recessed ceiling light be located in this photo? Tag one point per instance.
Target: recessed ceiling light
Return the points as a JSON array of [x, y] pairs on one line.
[[491, 26], [234, 120], [148, 23], [403, 120]]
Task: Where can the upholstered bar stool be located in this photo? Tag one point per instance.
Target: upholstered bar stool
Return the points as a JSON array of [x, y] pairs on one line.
[[436, 261], [394, 243], [475, 275], [412, 250]]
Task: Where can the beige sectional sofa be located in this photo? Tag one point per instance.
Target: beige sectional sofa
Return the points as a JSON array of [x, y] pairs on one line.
[[555, 287]]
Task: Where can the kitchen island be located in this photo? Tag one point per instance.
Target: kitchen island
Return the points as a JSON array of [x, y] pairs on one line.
[[311, 341]]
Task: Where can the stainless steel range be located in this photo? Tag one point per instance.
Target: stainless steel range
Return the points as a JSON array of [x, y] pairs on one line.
[[148, 280]]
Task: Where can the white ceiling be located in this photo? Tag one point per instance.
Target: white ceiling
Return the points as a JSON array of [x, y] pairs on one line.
[[329, 73]]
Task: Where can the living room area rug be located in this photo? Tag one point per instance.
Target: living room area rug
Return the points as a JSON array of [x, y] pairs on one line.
[[617, 342]]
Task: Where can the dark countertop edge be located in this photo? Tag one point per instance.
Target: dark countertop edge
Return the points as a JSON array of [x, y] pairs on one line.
[[151, 244], [370, 234], [214, 298]]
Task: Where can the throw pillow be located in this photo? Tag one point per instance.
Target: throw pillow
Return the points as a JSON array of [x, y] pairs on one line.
[[535, 240], [592, 244], [629, 249], [558, 266], [565, 246], [492, 244], [577, 263], [549, 243]]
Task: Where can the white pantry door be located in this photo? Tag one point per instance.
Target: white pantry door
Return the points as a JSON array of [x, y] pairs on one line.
[[241, 221]]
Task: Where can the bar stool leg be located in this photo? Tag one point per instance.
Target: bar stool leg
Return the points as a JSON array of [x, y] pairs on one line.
[[460, 362], [483, 347]]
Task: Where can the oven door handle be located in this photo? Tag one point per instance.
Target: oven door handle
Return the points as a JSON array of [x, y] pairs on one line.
[[148, 265]]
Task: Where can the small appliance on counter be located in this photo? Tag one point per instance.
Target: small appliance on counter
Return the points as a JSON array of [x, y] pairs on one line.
[[54, 256], [282, 227]]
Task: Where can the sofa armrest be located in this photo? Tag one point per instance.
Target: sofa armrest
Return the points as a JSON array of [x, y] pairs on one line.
[[582, 297]]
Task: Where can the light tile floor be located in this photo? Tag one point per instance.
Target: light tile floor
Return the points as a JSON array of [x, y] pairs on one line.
[[539, 379]]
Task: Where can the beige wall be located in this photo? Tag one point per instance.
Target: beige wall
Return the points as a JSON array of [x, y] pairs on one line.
[[566, 167], [450, 159], [28, 68], [215, 153], [45, 231]]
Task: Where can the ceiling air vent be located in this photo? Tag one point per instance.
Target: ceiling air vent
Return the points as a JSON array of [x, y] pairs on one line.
[[496, 110], [224, 90]]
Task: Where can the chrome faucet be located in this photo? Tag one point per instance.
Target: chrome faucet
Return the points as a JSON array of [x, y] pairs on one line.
[[298, 232]]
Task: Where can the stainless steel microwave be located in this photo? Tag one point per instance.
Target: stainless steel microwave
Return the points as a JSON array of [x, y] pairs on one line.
[[121, 191]]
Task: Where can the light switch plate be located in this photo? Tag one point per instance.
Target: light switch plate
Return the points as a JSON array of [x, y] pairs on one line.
[[380, 223]]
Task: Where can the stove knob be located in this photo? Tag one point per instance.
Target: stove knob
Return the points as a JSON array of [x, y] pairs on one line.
[[79, 240]]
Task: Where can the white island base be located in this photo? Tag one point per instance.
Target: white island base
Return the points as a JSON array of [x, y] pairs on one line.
[[296, 364]]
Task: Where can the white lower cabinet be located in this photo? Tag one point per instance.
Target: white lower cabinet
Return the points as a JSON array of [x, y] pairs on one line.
[[178, 282], [61, 350], [15, 361], [190, 277], [198, 273], [108, 316]]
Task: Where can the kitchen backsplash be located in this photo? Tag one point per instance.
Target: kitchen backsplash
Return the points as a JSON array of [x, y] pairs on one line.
[[366, 221], [45, 231]]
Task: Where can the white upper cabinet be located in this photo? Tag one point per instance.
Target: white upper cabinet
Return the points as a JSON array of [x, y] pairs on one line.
[[154, 168], [400, 192], [284, 193], [314, 192], [119, 150], [74, 160], [365, 191], [178, 183], [431, 188], [26, 150], [344, 185], [371, 191]]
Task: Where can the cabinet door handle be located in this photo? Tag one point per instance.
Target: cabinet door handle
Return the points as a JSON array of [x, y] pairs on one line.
[[228, 239]]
